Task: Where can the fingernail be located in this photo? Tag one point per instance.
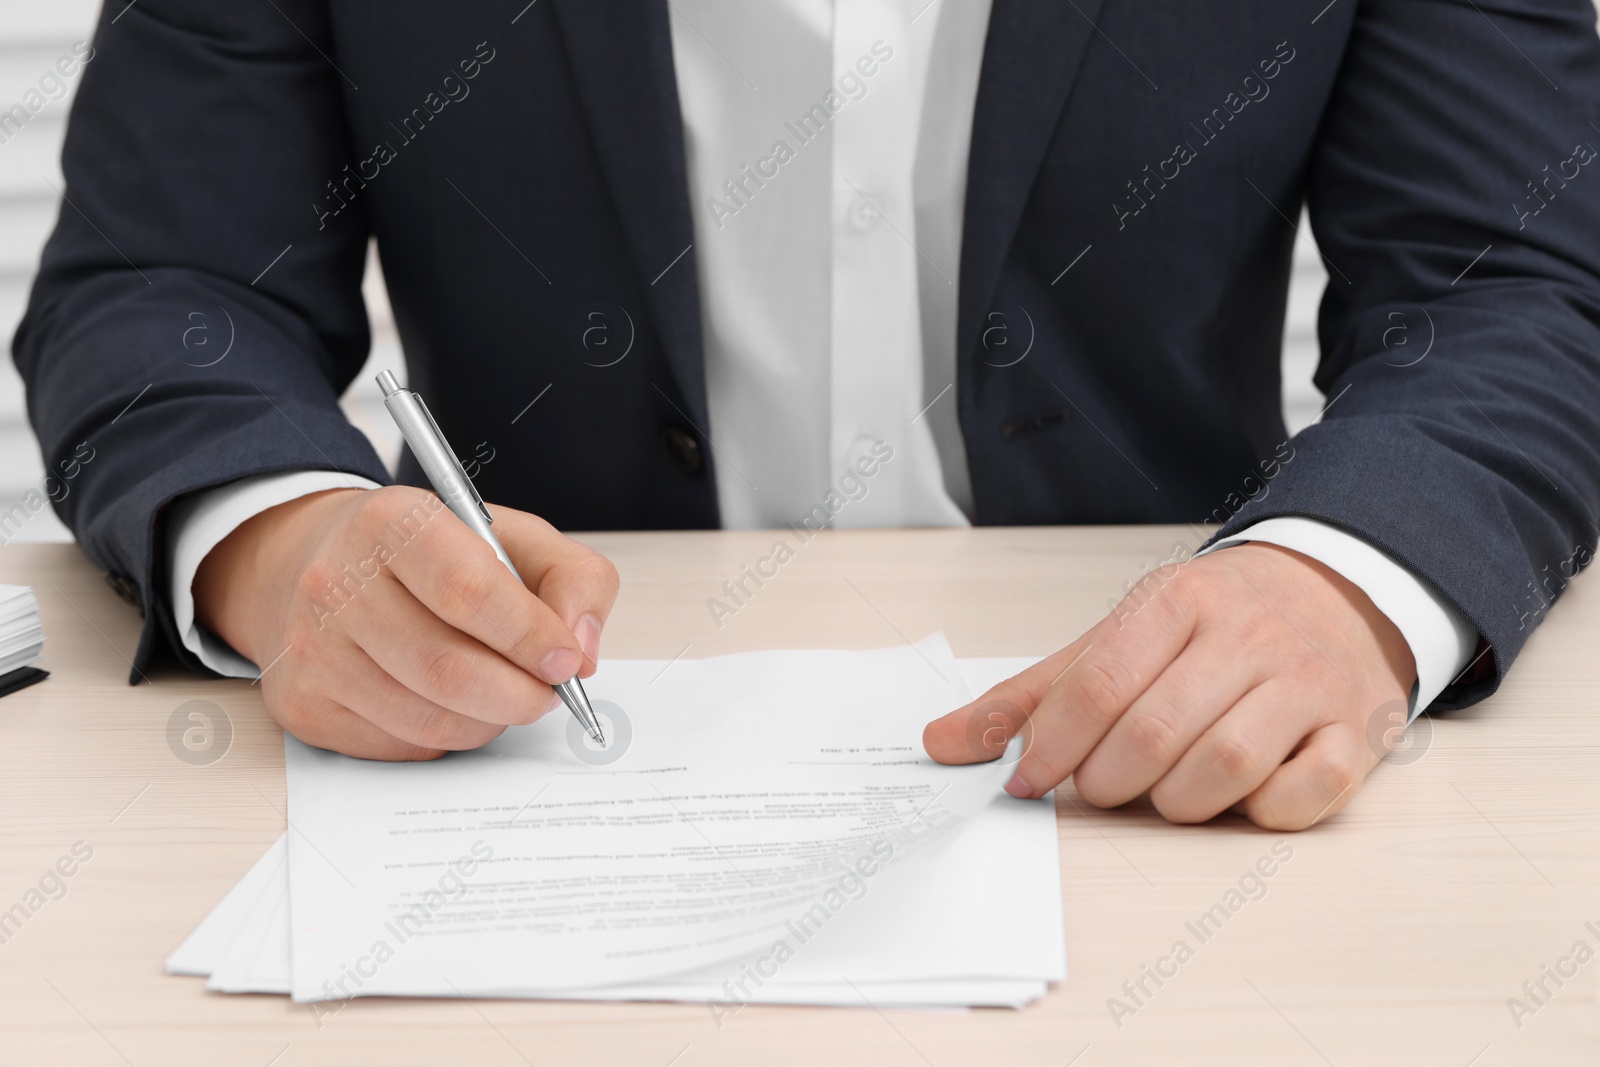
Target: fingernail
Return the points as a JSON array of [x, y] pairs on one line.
[[1018, 787], [588, 634], [560, 665]]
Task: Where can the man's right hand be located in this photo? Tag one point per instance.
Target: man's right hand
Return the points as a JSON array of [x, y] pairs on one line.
[[388, 630]]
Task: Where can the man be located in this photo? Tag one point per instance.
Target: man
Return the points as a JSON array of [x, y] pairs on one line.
[[691, 264]]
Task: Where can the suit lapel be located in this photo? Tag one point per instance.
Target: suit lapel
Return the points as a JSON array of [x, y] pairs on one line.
[[1030, 60], [622, 62], [621, 53]]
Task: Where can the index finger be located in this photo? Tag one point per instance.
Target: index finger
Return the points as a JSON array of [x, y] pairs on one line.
[[457, 576], [578, 583]]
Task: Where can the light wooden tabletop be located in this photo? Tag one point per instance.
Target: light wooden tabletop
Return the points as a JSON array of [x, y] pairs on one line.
[[1397, 933]]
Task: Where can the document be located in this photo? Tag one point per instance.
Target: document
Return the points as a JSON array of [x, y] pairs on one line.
[[202, 951], [770, 832], [21, 633], [244, 945]]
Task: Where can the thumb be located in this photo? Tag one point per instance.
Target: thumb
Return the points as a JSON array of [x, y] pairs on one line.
[[979, 731]]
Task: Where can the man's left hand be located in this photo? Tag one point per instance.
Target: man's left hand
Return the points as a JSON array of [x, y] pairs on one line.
[[1248, 680]]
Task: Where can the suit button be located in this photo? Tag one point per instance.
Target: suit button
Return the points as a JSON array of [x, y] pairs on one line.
[[684, 450], [126, 588]]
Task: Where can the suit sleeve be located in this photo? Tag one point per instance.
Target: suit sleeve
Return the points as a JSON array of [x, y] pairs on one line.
[[196, 315], [1454, 190]]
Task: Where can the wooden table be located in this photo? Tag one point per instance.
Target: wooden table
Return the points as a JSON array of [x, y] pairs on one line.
[[1395, 935]]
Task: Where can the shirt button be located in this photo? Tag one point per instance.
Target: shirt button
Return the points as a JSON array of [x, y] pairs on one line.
[[683, 449], [863, 216]]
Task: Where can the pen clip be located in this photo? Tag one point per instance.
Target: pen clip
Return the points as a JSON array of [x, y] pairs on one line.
[[438, 434]]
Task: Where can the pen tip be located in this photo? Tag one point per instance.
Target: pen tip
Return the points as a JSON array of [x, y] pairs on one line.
[[599, 736]]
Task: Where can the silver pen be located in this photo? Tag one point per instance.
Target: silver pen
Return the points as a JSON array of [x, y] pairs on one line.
[[444, 472]]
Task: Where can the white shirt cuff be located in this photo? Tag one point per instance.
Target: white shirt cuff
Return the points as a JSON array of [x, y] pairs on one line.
[[1441, 639], [198, 523]]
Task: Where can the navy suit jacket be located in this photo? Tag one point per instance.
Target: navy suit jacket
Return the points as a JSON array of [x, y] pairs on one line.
[[523, 165]]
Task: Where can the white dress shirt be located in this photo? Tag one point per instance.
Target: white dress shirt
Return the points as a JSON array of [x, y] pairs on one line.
[[826, 150]]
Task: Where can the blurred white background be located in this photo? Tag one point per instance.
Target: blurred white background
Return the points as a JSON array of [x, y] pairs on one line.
[[34, 33]]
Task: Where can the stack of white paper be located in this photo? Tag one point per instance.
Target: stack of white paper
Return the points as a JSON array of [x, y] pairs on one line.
[[764, 828], [21, 634]]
